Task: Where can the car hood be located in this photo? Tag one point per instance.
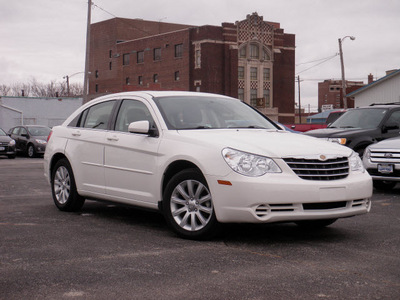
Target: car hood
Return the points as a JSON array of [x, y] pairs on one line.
[[335, 132], [5, 139], [393, 143], [272, 143]]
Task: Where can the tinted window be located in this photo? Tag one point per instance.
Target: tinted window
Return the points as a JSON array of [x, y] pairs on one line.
[[98, 115], [360, 118], [23, 131], [39, 131], [394, 118], [132, 111]]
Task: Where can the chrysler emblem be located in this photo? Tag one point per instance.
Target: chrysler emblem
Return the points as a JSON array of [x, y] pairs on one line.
[[388, 155], [322, 157]]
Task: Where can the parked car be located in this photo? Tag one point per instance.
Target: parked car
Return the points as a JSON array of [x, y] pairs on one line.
[[7, 145], [30, 139], [201, 159], [359, 127], [382, 161]]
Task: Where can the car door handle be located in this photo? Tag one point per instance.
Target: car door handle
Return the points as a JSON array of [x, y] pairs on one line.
[[76, 133], [112, 138]]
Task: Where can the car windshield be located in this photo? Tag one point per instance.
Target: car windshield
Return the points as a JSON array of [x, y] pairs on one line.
[[195, 112], [39, 131], [2, 133], [365, 118]]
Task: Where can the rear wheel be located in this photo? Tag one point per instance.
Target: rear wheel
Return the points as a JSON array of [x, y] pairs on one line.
[[384, 185], [188, 206], [63, 187], [315, 224]]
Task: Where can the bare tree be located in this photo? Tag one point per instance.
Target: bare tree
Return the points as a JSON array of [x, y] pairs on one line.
[[4, 90], [34, 88]]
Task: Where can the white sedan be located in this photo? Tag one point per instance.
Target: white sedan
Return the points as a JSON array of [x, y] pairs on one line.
[[202, 160]]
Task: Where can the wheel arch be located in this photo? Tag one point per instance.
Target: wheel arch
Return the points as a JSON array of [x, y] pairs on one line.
[[56, 157], [174, 168]]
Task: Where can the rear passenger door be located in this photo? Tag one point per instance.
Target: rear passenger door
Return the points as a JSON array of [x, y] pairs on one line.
[[86, 144], [130, 158]]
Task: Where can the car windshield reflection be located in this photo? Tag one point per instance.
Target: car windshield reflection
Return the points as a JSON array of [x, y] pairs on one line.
[[191, 112]]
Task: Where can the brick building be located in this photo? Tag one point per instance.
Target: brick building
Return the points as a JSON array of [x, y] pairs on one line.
[[252, 59], [330, 92]]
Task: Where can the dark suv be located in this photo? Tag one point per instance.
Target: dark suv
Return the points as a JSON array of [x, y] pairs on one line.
[[359, 127]]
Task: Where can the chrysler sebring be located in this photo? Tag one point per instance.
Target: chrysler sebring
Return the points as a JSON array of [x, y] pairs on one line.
[[202, 160]]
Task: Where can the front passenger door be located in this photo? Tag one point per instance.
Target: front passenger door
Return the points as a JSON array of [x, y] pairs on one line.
[[130, 158]]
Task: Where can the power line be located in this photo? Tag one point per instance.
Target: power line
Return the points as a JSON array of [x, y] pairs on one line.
[[320, 63], [123, 20], [313, 61]]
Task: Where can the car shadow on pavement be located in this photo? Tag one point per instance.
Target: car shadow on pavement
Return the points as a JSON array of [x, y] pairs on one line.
[[231, 233]]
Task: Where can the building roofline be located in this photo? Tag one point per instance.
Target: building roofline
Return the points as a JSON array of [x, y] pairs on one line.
[[384, 78]]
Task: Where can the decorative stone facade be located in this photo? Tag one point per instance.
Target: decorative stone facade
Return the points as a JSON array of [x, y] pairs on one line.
[[251, 59]]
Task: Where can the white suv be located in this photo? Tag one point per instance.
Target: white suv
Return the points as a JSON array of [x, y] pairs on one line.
[[201, 159]]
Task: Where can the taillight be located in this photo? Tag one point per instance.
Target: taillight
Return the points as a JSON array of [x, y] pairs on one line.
[[48, 138]]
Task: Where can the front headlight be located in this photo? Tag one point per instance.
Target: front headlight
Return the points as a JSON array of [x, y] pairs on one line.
[[11, 143], [355, 163], [43, 142], [249, 164], [341, 141]]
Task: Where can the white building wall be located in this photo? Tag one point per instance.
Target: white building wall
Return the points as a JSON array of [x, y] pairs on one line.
[[385, 92], [35, 111]]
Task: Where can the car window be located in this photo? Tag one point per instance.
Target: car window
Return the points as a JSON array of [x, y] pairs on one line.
[[394, 118], [191, 112], [132, 111], [15, 130], [2, 133], [23, 131], [98, 115], [365, 118], [39, 131]]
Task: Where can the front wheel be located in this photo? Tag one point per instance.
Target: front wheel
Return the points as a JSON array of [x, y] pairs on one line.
[[188, 206], [31, 151], [63, 187]]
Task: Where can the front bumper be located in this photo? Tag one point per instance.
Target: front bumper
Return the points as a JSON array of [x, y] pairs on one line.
[[286, 197]]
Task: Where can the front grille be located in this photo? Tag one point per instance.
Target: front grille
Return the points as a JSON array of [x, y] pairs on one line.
[[314, 169], [389, 156]]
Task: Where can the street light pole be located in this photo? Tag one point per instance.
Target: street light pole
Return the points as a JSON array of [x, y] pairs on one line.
[[342, 66]]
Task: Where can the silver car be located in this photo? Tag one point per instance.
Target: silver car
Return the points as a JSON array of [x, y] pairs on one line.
[[382, 161]]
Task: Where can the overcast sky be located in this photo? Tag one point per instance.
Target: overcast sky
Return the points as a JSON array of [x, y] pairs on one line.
[[45, 39]]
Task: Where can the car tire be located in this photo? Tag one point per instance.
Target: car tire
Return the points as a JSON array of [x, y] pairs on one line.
[[31, 151], [315, 224], [384, 185], [63, 187], [188, 206]]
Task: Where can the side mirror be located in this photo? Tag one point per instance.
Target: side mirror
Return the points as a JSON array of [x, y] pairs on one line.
[[390, 126], [142, 127]]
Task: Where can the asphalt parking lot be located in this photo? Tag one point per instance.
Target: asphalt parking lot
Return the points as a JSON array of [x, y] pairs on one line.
[[114, 252]]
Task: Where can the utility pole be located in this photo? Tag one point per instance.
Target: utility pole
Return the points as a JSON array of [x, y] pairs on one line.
[[85, 83], [342, 66], [298, 81]]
